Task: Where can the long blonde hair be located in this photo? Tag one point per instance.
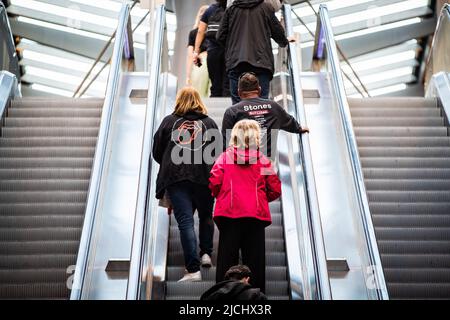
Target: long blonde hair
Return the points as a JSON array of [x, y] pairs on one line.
[[200, 13], [188, 99], [246, 134]]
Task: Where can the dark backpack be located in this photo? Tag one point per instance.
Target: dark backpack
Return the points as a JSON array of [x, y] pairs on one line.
[[214, 22]]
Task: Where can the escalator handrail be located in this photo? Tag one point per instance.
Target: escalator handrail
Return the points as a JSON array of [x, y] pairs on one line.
[[315, 225], [5, 30], [444, 17], [142, 218], [8, 90], [123, 47], [325, 42]]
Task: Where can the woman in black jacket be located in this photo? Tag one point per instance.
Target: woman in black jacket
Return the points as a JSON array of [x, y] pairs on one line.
[[185, 146]]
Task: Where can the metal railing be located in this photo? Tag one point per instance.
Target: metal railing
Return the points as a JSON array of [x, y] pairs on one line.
[[314, 225], [123, 47], [439, 56], [10, 63], [144, 214], [325, 49]]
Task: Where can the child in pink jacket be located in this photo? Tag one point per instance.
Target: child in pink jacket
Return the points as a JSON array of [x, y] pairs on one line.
[[243, 182]]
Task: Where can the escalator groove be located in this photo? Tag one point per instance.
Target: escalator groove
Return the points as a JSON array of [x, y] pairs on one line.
[[46, 151]]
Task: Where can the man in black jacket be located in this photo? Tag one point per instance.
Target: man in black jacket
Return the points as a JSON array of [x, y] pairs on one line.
[[235, 287], [246, 30], [269, 114]]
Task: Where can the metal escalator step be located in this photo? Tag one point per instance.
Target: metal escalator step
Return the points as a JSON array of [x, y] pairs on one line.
[[403, 220], [49, 142], [176, 258], [52, 122], [406, 173], [41, 221], [416, 260], [425, 275], [28, 276], [393, 102], [442, 208], [39, 247], [274, 245], [413, 247], [397, 121], [403, 162], [45, 163], [39, 234], [18, 132], [175, 273], [404, 152], [54, 112], [438, 131], [395, 112], [34, 291], [37, 185], [45, 173], [407, 184], [43, 196], [28, 209], [47, 152], [408, 196], [57, 103], [409, 233], [403, 142], [196, 289], [418, 290], [38, 261]]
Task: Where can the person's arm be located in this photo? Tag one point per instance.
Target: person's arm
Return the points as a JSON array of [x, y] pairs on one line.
[[273, 183], [222, 34], [202, 26], [288, 122], [277, 31], [189, 63], [160, 143], [228, 123], [216, 175]]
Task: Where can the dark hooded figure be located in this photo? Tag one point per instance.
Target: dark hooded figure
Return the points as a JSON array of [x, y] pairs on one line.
[[235, 287], [246, 31]]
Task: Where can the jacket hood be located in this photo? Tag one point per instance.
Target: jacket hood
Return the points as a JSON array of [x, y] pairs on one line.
[[225, 290], [193, 115], [245, 156], [247, 4]]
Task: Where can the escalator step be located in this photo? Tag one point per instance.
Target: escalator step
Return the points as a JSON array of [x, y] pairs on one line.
[[38, 261], [438, 131], [406, 173], [39, 234], [402, 220], [52, 122], [409, 196], [44, 196], [41, 221], [403, 142], [29, 209], [36, 185], [382, 111], [54, 112], [416, 260], [414, 247], [419, 234], [271, 245], [176, 258], [45, 173], [39, 291], [48, 142], [39, 247], [397, 102], [412, 152], [417, 275], [398, 121], [28, 276], [46, 152], [57, 103], [18, 132], [441, 208], [407, 184], [402, 162], [45, 163], [419, 290]]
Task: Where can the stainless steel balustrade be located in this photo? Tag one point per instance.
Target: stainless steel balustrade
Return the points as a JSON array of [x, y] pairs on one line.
[[325, 49], [305, 218], [122, 48], [8, 54]]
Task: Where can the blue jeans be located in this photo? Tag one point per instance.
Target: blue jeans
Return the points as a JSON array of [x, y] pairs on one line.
[[264, 77], [186, 197]]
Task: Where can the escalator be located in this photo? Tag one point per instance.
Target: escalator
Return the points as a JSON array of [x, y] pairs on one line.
[[276, 267], [46, 152], [404, 146]]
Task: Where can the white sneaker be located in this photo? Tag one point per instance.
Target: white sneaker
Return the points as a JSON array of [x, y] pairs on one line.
[[206, 261], [191, 277]]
